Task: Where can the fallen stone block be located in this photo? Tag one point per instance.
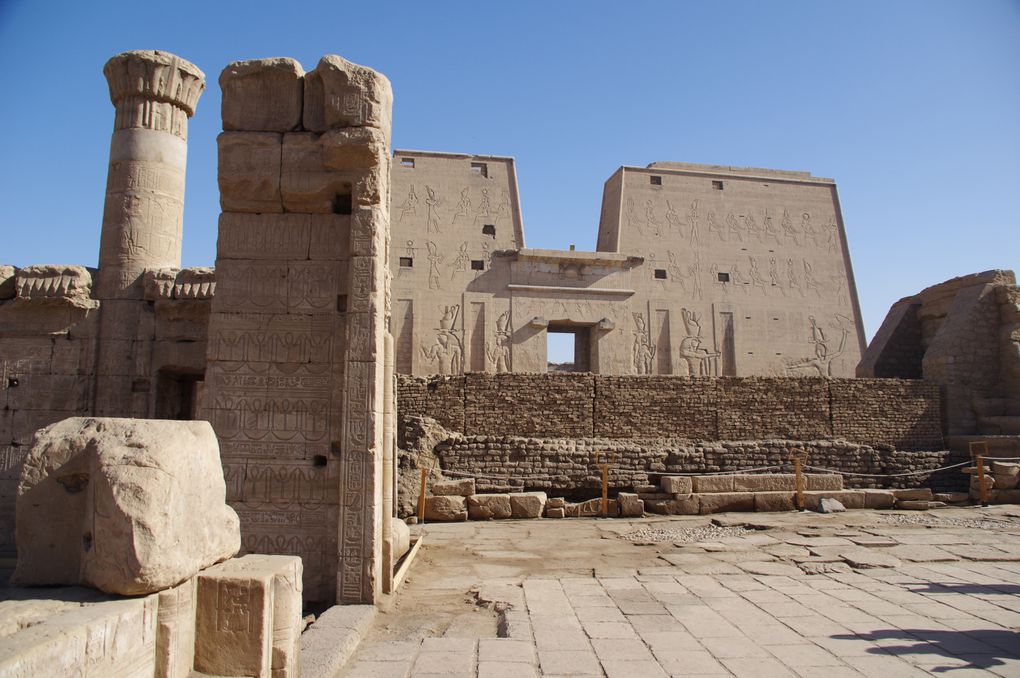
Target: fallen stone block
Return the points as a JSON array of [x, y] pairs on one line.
[[446, 509], [952, 497], [655, 496], [129, 506], [851, 499], [111, 638], [975, 482], [721, 502], [489, 506], [772, 502], [684, 505], [830, 505], [879, 499], [454, 488], [555, 502], [401, 542], [914, 494], [677, 484], [592, 508], [559, 512], [705, 484], [1005, 481], [1004, 468], [248, 617], [913, 505], [631, 506], [527, 504], [643, 489]]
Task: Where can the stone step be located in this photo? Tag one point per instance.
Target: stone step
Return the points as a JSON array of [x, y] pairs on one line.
[[766, 482]]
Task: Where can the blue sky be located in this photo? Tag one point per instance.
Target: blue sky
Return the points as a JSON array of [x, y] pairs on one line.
[[912, 106]]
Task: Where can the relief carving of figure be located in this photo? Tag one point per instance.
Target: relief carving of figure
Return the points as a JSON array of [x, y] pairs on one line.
[[788, 228], [435, 258], [751, 224], [831, 235], [484, 207], [756, 279], [463, 205], [774, 278], [810, 282], [651, 219], [499, 355], [695, 273], [503, 208], [770, 228], [733, 227], [808, 229], [715, 227], [448, 349], [410, 204], [737, 278], [644, 348], [792, 279], [673, 219], [692, 221], [675, 272], [462, 262], [631, 216], [700, 361], [824, 354], [432, 224]]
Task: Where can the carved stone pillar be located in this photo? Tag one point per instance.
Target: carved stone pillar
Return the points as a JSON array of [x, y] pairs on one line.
[[154, 94]]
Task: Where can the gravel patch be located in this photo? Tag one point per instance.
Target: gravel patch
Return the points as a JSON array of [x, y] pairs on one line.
[[931, 520], [684, 535]]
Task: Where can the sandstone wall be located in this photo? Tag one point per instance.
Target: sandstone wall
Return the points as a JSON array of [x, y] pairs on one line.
[[902, 414], [571, 467]]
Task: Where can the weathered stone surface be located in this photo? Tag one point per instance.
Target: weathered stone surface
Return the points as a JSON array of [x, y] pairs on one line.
[[879, 499], [914, 505], [559, 512], [401, 539], [683, 505], [248, 619], [250, 171], [592, 507], [463, 487], [851, 499], [823, 481], [262, 95], [952, 497], [489, 506], [863, 558], [813, 567], [7, 286], [446, 508], [330, 641], [527, 504], [726, 501], [677, 484], [339, 93], [556, 502], [175, 630], [111, 638], [56, 284], [774, 501], [703, 484], [915, 494], [769, 568], [630, 505], [1006, 481], [830, 505], [128, 506], [996, 467]]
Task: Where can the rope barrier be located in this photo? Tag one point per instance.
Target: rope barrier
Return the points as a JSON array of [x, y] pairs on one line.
[[720, 473], [889, 475]]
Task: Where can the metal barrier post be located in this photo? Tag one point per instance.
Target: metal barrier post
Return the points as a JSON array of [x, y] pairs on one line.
[[800, 483], [421, 495]]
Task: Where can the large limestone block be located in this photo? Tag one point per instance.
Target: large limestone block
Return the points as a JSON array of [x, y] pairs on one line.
[[527, 504], [464, 487], [55, 284], [720, 502], [489, 506], [914, 494], [248, 619], [631, 506], [401, 539], [111, 638], [446, 509], [307, 185], [1005, 481], [997, 467], [339, 93], [772, 502], [128, 506], [677, 484], [766, 482], [250, 171], [262, 95], [683, 505], [704, 484], [823, 481], [879, 499], [175, 631]]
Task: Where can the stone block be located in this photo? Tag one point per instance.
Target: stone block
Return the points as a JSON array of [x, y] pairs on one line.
[[307, 185], [401, 540], [248, 617], [975, 482], [249, 171], [262, 95], [111, 638], [630, 505], [721, 502], [773, 502], [851, 499], [339, 93], [677, 484], [555, 502], [1004, 468], [331, 640], [283, 237], [646, 489], [705, 484], [830, 505], [527, 504], [952, 497], [1005, 481], [128, 506], [655, 496], [7, 287], [1007, 497], [592, 508], [913, 494], [556, 512], [446, 509], [823, 481], [175, 630], [489, 506], [879, 499], [463, 487], [913, 505], [765, 482]]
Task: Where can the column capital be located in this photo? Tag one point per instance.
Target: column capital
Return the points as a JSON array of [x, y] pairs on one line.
[[156, 76]]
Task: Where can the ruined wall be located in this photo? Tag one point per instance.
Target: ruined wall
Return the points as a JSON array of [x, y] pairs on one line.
[[898, 413], [571, 467], [294, 383]]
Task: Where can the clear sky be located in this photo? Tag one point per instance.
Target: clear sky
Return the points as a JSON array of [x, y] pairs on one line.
[[912, 106]]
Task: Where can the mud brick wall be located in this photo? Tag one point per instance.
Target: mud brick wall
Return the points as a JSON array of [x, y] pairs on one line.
[[570, 467], [540, 404], [902, 414], [667, 407]]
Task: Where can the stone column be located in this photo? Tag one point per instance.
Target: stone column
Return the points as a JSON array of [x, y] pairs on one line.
[[154, 94]]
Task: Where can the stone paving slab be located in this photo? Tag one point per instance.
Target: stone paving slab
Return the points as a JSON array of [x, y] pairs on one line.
[[638, 611]]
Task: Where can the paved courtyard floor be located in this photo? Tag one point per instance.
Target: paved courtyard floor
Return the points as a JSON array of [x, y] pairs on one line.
[[862, 593]]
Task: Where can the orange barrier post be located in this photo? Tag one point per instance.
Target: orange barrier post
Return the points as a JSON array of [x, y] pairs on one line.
[[421, 495], [979, 462], [800, 483], [605, 490]]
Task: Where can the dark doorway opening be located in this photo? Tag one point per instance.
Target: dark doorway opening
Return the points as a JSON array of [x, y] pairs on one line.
[[178, 394], [568, 348]]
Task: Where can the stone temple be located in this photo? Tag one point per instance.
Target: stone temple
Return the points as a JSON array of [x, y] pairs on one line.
[[375, 312]]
